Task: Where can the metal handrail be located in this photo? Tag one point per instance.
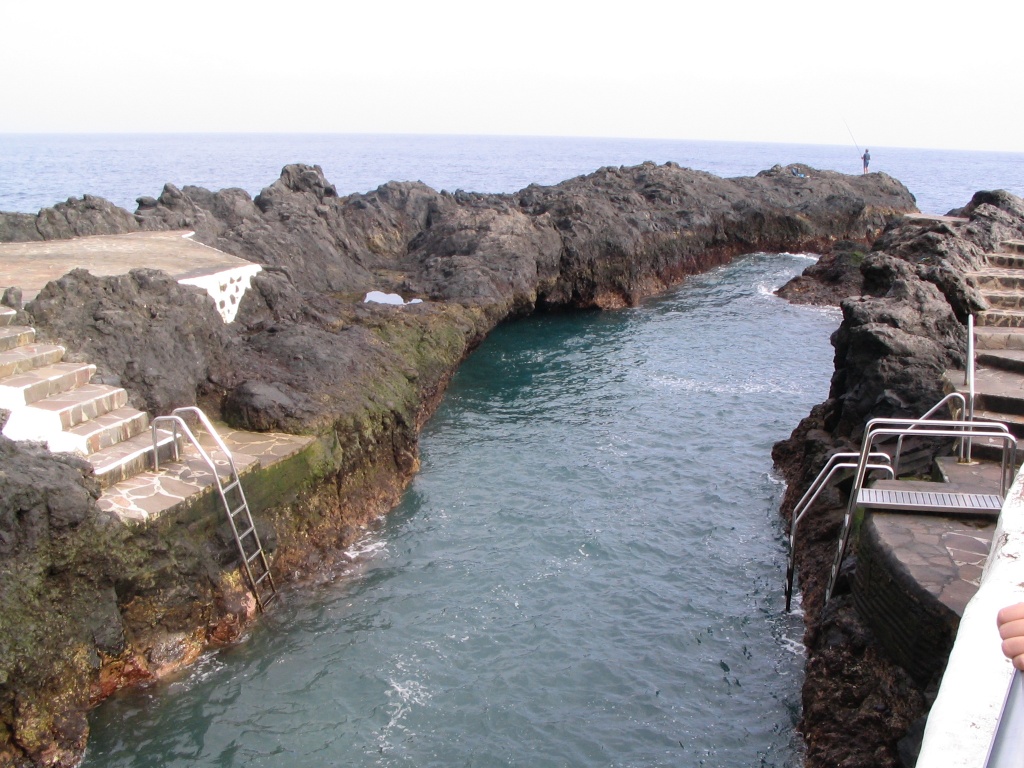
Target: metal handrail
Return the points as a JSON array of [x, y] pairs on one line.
[[234, 484], [884, 427], [177, 420], [927, 415], [969, 379], [802, 507], [961, 428]]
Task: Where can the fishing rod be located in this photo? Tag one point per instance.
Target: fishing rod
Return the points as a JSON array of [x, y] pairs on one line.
[[851, 134]]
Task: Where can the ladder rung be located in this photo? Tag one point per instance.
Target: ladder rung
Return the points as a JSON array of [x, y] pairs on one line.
[[254, 555], [250, 529], [238, 509], [264, 575], [230, 486]]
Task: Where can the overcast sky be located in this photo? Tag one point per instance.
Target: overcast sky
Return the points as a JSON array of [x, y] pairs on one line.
[[892, 73]]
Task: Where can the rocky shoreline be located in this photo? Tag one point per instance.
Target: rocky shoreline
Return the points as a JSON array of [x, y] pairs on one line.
[[905, 303], [89, 605]]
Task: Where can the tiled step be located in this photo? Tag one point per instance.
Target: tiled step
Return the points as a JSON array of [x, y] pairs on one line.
[[998, 338], [26, 388], [1005, 260], [102, 432], [1004, 299], [990, 449], [12, 336], [994, 390], [128, 458], [1014, 421], [22, 359], [1004, 359], [7, 316], [1000, 318], [1014, 246], [49, 417], [998, 279]]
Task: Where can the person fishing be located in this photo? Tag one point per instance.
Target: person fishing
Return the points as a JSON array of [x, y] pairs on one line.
[[866, 157]]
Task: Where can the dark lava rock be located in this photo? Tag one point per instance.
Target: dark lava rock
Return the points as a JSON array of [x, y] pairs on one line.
[[97, 605], [77, 217], [162, 341], [834, 277], [897, 337]]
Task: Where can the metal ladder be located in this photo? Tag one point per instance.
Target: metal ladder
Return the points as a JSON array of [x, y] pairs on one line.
[[254, 559]]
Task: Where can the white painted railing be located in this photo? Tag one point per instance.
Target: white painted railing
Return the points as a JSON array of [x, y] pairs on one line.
[[966, 713]]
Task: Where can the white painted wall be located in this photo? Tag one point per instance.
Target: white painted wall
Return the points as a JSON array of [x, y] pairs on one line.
[[963, 719]]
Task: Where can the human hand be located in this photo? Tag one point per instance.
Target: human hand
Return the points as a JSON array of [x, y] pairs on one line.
[[1011, 628]]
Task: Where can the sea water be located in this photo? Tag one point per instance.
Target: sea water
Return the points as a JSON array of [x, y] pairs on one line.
[[40, 170], [588, 570]]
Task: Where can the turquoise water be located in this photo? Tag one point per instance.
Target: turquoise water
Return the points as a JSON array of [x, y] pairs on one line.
[[588, 570]]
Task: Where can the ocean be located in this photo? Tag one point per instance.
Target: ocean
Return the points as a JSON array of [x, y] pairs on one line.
[[37, 171], [589, 568]]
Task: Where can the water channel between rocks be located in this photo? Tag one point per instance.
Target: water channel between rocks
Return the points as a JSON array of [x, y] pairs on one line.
[[587, 571]]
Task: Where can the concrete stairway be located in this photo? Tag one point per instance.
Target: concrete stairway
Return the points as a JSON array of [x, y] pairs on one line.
[[54, 402], [999, 346]]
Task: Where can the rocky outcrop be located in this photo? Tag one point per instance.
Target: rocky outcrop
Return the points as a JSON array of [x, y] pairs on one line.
[[305, 355], [77, 217], [897, 337], [80, 590]]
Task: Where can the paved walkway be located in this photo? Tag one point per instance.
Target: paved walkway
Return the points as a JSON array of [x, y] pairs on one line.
[[30, 266], [148, 495]]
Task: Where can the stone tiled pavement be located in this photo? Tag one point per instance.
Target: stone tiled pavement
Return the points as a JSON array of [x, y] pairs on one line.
[[148, 495], [944, 556]]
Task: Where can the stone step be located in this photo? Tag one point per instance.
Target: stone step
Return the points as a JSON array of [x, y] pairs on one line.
[[995, 390], [26, 388], [46, 419], [7, 316], [1005, 260], [102, 432], [1014, 421], [1000, 318], [12, 336], [1004, 359], [1013, 246], [998, 279], [130, 457], [985, 476], [991, 450], [28, 357], [998, 338], [1011, 300]]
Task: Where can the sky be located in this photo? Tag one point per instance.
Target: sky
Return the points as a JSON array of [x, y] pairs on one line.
[[898, 73]]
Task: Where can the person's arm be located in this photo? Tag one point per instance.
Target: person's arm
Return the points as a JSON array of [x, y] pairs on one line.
[[1011, 628]]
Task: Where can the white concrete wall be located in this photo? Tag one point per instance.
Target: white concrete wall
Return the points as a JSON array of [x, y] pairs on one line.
[[226, 288], [963, 719]]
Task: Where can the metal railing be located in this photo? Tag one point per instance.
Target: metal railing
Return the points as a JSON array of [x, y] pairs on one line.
[[951, 428], [801, 508], [253, 555], [931, 412], [969, 378]]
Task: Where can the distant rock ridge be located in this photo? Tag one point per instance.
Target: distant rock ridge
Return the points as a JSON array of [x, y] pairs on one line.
[[107, 606]]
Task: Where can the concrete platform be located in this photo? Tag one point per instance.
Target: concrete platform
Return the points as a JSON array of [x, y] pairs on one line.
[[149, 495], [915, 576], [30, 266]]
